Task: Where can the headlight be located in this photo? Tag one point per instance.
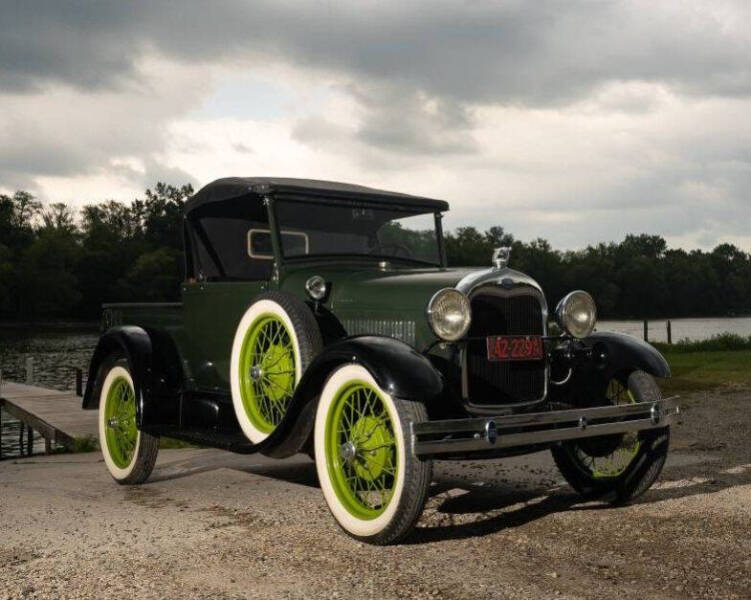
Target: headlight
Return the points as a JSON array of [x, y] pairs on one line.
[[449, 314], [316, 287], [576, 314]]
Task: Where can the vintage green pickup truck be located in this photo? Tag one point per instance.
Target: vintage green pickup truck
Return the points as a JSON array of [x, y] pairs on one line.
[[322, 317]]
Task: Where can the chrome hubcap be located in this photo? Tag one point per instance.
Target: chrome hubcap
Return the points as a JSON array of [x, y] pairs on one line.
[[348, 452], [256, 372]]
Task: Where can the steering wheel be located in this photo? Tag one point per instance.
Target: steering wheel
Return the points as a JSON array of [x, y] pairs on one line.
[[393, 249]]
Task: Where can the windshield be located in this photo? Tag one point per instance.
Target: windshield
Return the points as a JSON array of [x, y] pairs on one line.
[[316, 229]]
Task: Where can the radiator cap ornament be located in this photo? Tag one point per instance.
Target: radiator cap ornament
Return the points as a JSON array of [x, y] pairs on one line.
[[501, 256]]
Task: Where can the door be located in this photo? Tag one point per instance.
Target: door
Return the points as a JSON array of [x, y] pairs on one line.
[[212, 312]]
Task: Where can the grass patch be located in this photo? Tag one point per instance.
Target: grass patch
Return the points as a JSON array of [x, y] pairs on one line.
[[706, 370], [90, 444], [84, 444], [166, 443], [724, 342]]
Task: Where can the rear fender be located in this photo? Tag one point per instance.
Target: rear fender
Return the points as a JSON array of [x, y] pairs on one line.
[[155, 366]]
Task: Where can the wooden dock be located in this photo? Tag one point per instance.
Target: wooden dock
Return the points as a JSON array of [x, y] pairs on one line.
[[56, 415]]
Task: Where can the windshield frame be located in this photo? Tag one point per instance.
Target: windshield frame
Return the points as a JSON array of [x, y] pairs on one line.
[[280, 259]]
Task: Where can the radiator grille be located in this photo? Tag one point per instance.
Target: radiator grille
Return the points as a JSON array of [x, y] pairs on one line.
[[494, 383]]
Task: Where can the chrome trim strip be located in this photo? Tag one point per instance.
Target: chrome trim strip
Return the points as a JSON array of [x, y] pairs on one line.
[[488, 433], [494, 276]]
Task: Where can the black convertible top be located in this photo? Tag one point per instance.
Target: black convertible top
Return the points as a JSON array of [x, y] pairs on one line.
[[254, 188]]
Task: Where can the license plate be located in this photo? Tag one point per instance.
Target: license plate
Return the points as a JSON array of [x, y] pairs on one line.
[[514, 347]]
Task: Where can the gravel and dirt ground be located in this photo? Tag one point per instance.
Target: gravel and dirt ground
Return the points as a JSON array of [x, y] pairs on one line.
[[215, 525]]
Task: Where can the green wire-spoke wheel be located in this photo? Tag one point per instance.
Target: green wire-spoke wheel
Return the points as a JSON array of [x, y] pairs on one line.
[[374, 487], [608, 456], [267, 371], [120, 421], [617, 468], [361, 451], [129, 454], [274, 343]]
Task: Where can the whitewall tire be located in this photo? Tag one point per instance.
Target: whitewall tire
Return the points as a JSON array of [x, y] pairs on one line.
[[373, 485], [275, 340], [129, 454]]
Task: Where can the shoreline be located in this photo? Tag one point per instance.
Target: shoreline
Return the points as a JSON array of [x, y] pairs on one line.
[[56, 325]]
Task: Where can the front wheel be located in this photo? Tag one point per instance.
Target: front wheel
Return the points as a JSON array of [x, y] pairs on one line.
[[617, 468], [374, 486], [129, 454]]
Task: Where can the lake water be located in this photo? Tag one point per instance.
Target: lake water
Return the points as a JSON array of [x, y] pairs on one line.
[[692, 329], [58, 352]]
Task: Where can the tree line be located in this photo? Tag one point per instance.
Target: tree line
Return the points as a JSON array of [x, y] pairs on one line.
[[57, 263]]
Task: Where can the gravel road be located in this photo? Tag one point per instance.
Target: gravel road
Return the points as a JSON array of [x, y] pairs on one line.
[[215, 525]]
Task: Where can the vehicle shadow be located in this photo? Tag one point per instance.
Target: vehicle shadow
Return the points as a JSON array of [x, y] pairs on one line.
[[458, 508], [298, 469], [500, 507]]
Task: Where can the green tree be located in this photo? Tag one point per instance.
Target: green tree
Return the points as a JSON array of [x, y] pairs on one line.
[[152, 277], [163, 207], [468, 247], [46, 284]]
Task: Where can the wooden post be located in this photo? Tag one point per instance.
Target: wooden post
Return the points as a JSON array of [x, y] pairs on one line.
[[79, 383], [646, 331], [20, 439], [670, 332], [29, 441], [47, 445], [29, 370], [1, 414]]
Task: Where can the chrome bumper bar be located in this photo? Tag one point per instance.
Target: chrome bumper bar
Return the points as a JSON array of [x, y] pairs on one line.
[[455, 436]]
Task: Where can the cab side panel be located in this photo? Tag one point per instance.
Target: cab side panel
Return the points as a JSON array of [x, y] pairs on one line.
[[212, 313]]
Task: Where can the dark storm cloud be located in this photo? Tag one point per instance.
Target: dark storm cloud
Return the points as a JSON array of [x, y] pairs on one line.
[[397, 121], [541, 53], [419, 73], [414, 67], [87, 44]]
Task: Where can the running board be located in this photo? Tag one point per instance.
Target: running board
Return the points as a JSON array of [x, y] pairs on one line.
[[436, 438]]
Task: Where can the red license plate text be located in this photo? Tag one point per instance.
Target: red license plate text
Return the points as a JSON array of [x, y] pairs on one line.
[[514, 347]]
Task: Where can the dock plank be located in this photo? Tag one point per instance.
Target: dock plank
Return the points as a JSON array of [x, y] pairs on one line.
[[57, 415]]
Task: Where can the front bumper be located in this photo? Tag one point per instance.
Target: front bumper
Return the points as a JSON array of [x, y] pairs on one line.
[[458, 436]]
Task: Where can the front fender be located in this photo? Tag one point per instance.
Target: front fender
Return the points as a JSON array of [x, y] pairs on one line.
[[620, 352], [398, 369]]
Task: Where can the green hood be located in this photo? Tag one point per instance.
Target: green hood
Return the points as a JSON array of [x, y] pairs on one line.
[[366, 287], [366, 299]]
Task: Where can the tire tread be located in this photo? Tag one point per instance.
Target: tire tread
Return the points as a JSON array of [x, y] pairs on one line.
[[148, 448]]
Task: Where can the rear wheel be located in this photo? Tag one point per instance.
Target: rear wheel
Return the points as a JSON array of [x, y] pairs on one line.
[[373, 485], [129, 454], [617, 468]]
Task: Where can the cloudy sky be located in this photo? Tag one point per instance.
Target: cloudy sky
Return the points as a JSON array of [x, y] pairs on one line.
[[577, 121]]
